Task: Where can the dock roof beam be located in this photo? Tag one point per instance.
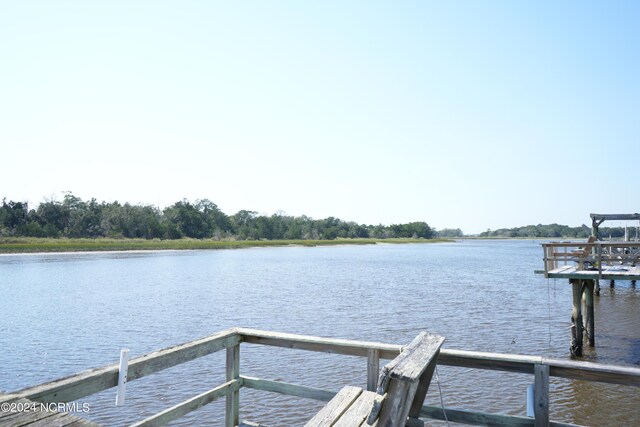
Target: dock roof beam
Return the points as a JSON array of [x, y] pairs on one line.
[[597, 219]]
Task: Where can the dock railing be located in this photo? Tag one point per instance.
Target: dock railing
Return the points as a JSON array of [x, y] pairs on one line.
[[596, 255], [93, 381]]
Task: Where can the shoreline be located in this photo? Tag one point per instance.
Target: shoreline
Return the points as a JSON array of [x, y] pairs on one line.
[[24, 246]]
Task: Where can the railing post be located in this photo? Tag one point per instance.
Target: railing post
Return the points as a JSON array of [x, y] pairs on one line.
[[232, 412], [373, 368], [541, 395], [599, 261]]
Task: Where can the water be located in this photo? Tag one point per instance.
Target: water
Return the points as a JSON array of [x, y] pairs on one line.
[[63, 313]]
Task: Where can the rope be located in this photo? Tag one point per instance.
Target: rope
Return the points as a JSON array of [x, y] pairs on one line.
[[444, 412]]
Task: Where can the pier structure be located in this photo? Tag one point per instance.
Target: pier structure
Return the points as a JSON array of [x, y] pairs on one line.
[[585, 265], [540, 369]]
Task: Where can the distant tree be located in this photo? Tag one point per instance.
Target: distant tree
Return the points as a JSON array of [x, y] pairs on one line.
[[54, 217], [74, 217], [13, 216], [186, 220], [449, 233]]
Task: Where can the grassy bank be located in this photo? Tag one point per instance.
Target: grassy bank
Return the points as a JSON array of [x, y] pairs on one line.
[[32, 245]]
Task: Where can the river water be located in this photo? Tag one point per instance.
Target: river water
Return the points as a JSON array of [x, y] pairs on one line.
[[64, 313]]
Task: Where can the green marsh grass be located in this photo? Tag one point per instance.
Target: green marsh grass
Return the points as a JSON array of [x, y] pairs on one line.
[[34, 245]]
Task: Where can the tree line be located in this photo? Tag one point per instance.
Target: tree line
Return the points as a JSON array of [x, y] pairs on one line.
[[76, 218], [555, 231]]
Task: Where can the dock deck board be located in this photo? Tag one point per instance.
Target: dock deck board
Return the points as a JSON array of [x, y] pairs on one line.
[[36, 416], [608, 273]]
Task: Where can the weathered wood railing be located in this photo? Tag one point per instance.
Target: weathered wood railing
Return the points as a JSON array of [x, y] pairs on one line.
[[96, 380], [600, 254]]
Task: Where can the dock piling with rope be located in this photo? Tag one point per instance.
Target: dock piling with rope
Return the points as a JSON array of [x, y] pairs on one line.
[[585, 264]]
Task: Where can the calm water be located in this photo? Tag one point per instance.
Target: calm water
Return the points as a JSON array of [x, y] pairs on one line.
[[60, 314]]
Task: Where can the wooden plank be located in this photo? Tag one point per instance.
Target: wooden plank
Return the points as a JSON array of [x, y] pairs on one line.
[[488, 361], [541, 395], [232, 412], [95, 380], [413, 361], [563, 269], [19, 419], [359, 410], [82, 423], [337, 406], [57, 420], [397, 404], [14, 406], [26, 412], [6, 397], [318, 344], [288, 389], [190, 405], [373, 368], [423, 388], [593, 372]]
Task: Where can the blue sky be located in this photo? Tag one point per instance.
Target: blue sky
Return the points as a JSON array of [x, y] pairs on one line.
[[463, 114]]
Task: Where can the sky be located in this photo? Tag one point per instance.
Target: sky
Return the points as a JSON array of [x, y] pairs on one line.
[[464, 114]]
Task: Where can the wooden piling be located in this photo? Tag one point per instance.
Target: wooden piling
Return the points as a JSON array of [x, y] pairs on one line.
[[612, 283], [588, 288], [576, 319]]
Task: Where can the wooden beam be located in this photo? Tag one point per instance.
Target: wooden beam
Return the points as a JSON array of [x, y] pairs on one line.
[[95, 380], [482, 419], [287, 389], [373, 368], [541, 395], [597, 372], [318, 344], [489, 361], [190, 405], [232, 412]]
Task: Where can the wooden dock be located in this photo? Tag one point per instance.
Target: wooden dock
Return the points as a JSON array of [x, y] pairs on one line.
[[591, 260], [585, 264], [18, 411], [540, 370]]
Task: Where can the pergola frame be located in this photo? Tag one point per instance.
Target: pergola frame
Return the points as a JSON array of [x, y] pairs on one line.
[[597, 219]]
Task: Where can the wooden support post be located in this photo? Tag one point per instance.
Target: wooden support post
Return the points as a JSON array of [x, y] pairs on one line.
[[373, 368], [589, 314], [576, 318], [633, 283], [541, 395], [597, 288], [612, 283], [232, 413]]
